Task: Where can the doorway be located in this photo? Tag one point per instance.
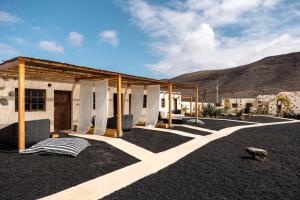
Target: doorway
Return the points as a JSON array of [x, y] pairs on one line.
[[62, 110]]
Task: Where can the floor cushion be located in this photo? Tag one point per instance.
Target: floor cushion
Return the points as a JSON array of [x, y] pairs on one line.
[[62, 146]]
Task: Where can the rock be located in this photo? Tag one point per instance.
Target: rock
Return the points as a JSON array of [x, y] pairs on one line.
[[256, 153]]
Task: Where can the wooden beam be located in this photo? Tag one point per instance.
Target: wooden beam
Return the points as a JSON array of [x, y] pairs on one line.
[[58, 70], [170, 105], [119, 106], [9, 64], [196, 104], [21, 105]]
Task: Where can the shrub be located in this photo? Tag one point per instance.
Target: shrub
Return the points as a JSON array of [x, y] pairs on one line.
[[227, 104], [209, 110]]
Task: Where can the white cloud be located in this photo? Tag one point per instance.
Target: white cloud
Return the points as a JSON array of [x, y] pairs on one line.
[[109, 36], [209, 34], [6, 50], [17, 40], [6, 17], [50, 46], [75, 39]]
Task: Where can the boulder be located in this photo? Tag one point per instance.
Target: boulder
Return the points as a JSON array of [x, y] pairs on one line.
[[256, 153]]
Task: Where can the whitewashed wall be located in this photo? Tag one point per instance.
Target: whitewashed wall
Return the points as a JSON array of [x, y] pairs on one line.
[[9, 115], [165, 95]]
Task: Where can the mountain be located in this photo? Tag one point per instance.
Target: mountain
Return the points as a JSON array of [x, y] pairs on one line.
[[267, 76]]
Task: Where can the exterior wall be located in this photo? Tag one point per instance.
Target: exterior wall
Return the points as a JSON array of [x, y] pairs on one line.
[[294, 98], [9, 115], [186, 104], [268, 102], [165, 95], [241, 103]]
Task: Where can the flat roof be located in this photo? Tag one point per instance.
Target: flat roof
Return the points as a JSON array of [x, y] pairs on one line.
[[47, 70]]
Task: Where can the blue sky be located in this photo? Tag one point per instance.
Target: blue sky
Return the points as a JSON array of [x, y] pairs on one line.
[[149, 38]]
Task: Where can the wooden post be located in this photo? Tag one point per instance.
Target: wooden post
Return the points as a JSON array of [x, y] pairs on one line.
[[170, 105], [196, 103], [119, 107], [21, 105]]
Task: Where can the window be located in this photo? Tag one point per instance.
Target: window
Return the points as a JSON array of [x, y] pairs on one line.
[[163, 102], [145, 101], [35, 100]]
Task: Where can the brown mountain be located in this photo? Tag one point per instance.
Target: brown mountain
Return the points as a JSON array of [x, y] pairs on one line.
[[267, 76]]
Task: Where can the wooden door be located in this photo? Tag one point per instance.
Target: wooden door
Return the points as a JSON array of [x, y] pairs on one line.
[[175, 105], [116, 104], [62, 110]]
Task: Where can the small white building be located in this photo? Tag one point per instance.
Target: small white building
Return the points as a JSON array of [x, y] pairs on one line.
[[164, 102]]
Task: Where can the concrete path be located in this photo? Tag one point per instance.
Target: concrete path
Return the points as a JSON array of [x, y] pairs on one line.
[[132, 149], [109, 183], [182, 133], [196, 128], [232, 120]]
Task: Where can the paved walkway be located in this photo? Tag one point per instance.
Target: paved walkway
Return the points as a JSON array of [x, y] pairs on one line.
[[132, 149], [196, 128], [107, 184], [182, 133]]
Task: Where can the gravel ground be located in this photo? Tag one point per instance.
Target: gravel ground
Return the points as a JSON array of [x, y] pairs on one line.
[[189, 130], [35, 176], [155, 141], [259, 119], [223, 170], [218, 124]]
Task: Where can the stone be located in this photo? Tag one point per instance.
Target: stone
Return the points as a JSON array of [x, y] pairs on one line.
[[256, 153]]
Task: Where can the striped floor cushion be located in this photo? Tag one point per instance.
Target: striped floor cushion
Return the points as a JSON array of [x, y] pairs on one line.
[[63, 146]]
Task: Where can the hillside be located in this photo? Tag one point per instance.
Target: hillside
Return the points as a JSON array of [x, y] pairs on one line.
[[267, 76]]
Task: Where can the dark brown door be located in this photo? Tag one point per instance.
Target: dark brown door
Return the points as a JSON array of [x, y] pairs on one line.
[[62, 110], [175, 104], [116, 104]]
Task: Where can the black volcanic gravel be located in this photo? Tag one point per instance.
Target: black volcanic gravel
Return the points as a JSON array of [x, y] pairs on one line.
[[155, 141], [223, 170], [259, 119], [35, 176], [217, 124], [190, 130]]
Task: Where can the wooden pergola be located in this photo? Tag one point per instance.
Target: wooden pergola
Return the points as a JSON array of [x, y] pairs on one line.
[[25, 68]]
